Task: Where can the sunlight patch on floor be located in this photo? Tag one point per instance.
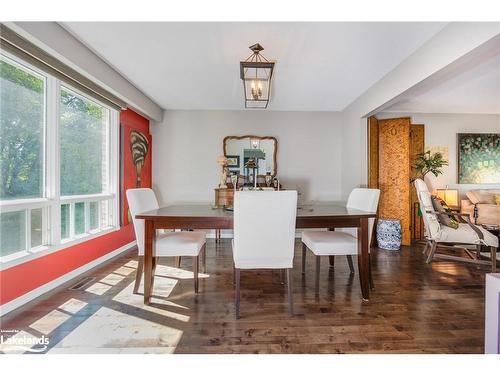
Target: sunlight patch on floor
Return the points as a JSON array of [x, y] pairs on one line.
[[446, 268], [112, 279], [173, 304], [73, 305], [177, 273], [117, 331], [132, 264], [159, 305], [50, 321], [98, 288], [125, 271], [138, 350]]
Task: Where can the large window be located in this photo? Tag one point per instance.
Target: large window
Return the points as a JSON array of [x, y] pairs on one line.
[[84, 145], [57, 163]]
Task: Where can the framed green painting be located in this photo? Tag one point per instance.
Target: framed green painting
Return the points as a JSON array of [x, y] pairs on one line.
[[478, 158]]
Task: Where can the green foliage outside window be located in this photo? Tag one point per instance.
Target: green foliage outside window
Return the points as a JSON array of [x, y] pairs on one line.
[[83, 144], [22, 114], [82, 134]]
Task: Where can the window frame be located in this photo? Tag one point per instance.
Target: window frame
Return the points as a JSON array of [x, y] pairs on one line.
[[51, 200]]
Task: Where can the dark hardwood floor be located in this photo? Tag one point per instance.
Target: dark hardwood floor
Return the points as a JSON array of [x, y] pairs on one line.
[[414, 308]]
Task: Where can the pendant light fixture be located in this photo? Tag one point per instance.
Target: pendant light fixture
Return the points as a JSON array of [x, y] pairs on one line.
[[256, 72]]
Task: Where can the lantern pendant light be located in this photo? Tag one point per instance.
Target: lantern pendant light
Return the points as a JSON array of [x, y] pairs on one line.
[[256, 72]]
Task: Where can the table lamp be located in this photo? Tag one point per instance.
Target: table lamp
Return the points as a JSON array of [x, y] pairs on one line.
[[450, 196], [222, 161]]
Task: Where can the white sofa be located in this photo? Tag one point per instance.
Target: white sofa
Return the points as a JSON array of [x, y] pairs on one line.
[[481, 206]]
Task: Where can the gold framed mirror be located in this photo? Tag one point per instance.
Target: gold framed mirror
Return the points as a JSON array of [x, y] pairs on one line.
[[262, 149]]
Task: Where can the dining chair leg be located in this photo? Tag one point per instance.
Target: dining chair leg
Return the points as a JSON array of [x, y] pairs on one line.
[[178, 262], [155, 261], [138, 274], [290, 294], [493, 251], [237, 294], [195, 273], [372, 285], [318, 264], [351, 266], [304, 251], [204, 258], [432, 251]]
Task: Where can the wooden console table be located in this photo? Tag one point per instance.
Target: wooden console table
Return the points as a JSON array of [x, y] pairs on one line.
[[224, 197]]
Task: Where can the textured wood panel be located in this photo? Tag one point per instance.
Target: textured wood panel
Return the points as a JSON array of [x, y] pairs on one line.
[[372, 152], [417, 146], [394, 172]]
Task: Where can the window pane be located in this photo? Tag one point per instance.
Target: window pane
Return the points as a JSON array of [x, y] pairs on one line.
[[36, 227], [12, 232], [106, 213], [94, 215], [65, 221], [79, 218], [84, 144], [22, 105]]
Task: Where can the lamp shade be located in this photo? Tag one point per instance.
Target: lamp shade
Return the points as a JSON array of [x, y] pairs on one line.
[[450, 196], [222, 160]]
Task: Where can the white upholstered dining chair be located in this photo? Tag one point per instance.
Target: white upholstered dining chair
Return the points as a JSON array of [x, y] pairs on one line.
[[466, 235], [264, 234], [169, 244], [342, 241]]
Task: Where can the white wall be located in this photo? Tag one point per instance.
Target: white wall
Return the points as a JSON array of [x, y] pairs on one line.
[[187, 143], [441, 130], [453, 42]]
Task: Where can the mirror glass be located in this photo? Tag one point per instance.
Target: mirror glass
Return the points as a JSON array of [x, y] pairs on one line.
[[239, 150]]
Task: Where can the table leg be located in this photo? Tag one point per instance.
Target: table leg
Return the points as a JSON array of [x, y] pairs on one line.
[[148, 259], [363, 258], [332, 257]]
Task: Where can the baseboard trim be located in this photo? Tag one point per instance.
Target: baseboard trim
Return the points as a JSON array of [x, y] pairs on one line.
[[35, 293]]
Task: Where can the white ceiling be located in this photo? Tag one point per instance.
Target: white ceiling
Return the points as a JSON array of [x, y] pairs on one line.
[[320, 66], [476, 90]]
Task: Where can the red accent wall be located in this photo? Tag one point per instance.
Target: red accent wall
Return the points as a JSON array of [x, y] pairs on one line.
[[129, 121], [23, 278]]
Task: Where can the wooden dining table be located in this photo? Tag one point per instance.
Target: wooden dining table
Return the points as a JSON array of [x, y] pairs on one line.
[[204, 216]]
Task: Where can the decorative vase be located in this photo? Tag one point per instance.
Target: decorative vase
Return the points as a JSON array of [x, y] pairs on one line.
[[268, 179], [389, 234], [234, 180]]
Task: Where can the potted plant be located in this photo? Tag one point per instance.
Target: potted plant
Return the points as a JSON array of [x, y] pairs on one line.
[[429, 163]]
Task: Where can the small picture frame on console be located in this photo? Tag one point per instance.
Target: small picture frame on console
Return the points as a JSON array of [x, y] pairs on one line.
[[233, 161]]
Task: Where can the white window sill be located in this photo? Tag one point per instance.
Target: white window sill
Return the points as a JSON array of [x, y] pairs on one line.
[[85, 198], [20, 257]]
